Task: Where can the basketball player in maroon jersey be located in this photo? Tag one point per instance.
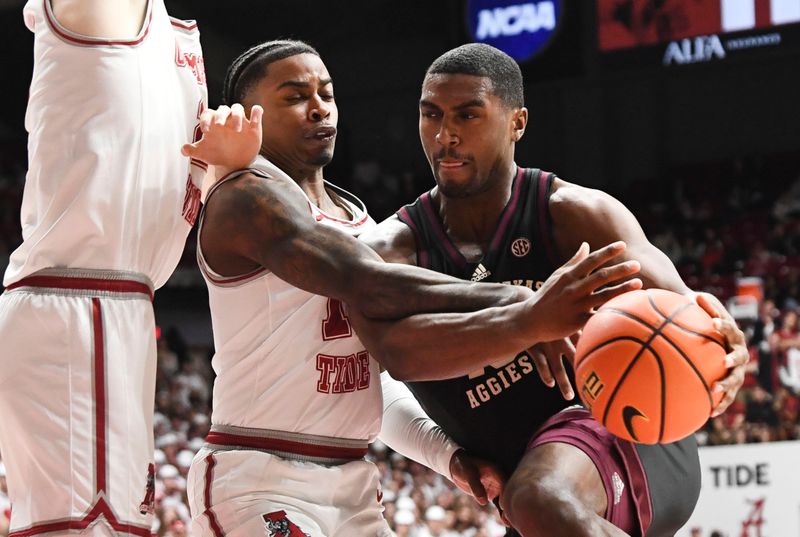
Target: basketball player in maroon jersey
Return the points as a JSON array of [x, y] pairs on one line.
[[278, 229], [488, 219]]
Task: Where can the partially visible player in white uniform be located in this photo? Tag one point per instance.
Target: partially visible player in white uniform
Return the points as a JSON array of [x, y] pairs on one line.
[[297, 398], [118, 87]]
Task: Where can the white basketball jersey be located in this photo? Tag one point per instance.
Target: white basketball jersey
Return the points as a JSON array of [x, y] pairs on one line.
[[286, 359], [107, 187]]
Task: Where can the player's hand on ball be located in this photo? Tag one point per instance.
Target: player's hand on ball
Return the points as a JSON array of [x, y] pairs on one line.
[[568, 297], [479, 478], [230, 140], [738, 355], [549, 360]]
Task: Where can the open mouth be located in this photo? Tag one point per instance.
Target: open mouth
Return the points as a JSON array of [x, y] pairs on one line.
[[322, 134]]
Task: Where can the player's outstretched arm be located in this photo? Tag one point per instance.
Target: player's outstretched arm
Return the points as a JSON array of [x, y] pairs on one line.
[[113, 19], [253, 221], [582, 214], [446, 345]]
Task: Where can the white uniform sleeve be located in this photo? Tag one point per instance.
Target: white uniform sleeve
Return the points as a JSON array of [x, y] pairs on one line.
[[408, 430]]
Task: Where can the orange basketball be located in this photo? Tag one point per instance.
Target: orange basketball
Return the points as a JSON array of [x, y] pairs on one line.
[[645, 363]]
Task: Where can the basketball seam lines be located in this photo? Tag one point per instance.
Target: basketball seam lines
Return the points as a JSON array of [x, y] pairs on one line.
[[699, 334], [672, 344], [645, 346]]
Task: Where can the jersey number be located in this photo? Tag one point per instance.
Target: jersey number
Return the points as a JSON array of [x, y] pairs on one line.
[[336, 325]]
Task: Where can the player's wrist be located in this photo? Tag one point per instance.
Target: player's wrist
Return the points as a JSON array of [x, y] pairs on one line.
[[455, 453]]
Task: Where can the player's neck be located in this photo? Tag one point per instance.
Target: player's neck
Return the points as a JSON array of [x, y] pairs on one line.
[[473, 219], [313, 184]]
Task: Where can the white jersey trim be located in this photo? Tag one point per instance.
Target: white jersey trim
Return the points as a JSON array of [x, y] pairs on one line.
[[187, 26], [73, 38]]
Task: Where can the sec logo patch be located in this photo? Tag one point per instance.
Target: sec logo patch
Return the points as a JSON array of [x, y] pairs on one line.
[[521, 247]]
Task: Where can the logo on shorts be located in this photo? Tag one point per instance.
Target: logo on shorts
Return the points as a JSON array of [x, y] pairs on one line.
[[628, 413], [521, 247], [148, 504], [619, 486], [279, 525]]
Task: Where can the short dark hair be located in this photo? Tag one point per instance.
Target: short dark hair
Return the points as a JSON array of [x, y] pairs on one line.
[[251, 66], [479, 59]]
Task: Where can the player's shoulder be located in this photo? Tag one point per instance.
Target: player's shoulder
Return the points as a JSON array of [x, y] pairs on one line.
[[246, 194], [393, 240], [571, 199]]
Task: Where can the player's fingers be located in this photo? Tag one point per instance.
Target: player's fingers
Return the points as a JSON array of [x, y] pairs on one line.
[[205, 120], [493, 482], [740, 356], [191, 150], [542, 367], [600, 257], [221, 115], [608, 275], [730, 385], [703, 300], [567, 348], [256, 113], [598, 298], [733, 335], [236, 120], [562, 379], [476, 488], [574, 338], [580, 255], [505, 520]]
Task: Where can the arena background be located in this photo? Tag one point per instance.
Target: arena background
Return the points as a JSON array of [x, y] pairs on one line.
[[687, 110]]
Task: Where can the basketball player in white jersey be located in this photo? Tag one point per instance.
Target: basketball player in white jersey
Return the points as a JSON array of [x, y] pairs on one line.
[[296, 397], [118, 87]]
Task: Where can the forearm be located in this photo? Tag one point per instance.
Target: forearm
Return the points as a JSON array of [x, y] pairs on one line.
[[393, 291], [447, 345], [408, 430]]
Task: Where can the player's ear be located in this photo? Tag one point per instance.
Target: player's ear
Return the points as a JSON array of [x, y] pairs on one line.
[[519, 120]]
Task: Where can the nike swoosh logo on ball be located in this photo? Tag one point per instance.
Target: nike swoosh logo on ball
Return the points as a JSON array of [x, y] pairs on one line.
[[628, 413]]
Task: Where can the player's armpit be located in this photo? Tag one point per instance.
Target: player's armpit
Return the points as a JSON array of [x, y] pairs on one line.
[[112, 19]]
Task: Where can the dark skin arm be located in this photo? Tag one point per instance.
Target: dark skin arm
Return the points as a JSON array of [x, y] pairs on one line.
[[438, 346], [253, 222], [584, 214]]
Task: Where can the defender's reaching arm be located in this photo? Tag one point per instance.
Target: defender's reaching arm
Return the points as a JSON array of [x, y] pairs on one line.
[[437, 346]]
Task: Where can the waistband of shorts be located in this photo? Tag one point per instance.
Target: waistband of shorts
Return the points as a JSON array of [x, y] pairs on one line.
[[287, 445], [86, 282]]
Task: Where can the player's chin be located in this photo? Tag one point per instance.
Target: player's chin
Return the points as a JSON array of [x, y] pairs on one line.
[[453, 188], [322, 157]]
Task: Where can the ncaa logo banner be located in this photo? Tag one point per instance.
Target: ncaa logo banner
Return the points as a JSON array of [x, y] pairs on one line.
[[749, 490], [520, 29]]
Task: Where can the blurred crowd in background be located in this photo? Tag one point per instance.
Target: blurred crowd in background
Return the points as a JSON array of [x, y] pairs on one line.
[[731, 228]]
